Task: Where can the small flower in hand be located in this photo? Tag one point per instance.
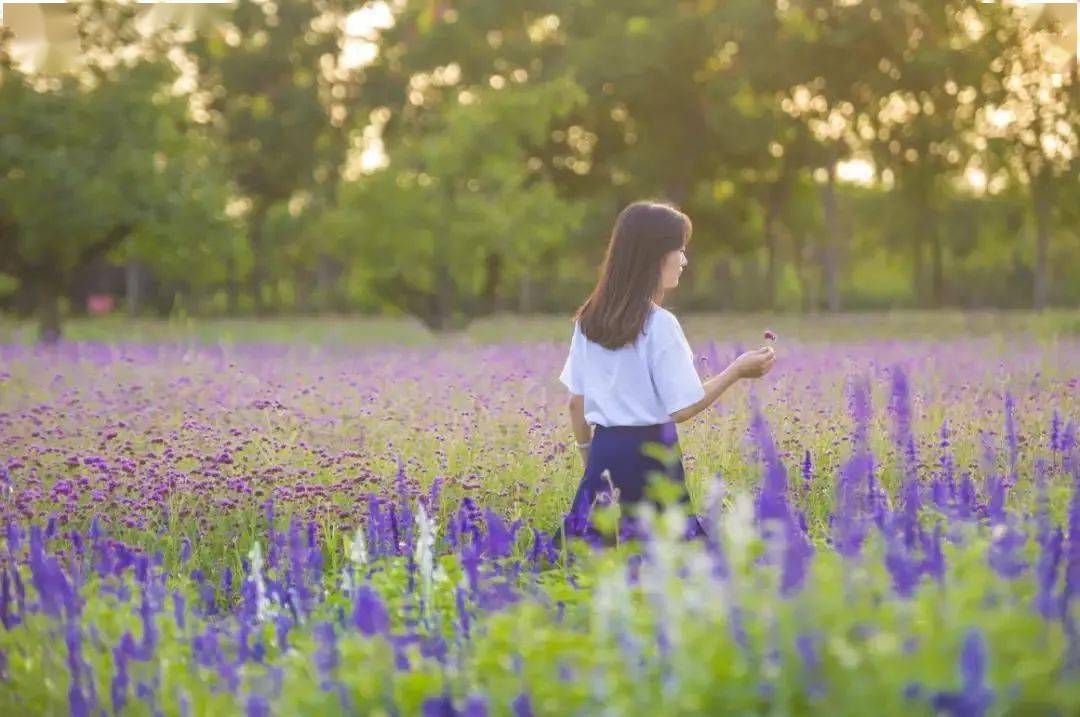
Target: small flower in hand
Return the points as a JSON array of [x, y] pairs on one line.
[[769, 335]]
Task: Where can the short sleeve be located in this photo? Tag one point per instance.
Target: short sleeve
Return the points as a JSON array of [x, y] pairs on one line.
[[672, 367], [571, 372]]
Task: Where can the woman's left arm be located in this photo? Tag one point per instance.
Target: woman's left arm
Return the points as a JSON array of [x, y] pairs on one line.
[[582, 429]]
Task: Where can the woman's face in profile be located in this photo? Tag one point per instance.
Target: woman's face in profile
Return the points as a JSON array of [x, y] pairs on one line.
[[671, 267]]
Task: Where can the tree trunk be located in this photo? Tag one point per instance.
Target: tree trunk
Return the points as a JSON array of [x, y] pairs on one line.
[[830, 255], [776, 199], [799, 252], [232, 287], [48, 306], [492, 278], [723, 280], [929, 232], [256, 238], [444, 304], [1042, 198], [25, 299], [525, 293], [331, 273], [131, 276]]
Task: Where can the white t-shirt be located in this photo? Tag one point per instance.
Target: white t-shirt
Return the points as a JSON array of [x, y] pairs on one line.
[[639, 384]]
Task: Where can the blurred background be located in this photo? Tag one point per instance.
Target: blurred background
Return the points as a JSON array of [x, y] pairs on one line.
[[455, 160]]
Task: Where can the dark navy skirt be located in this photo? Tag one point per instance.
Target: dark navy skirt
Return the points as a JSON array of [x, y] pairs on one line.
[[621, 451]]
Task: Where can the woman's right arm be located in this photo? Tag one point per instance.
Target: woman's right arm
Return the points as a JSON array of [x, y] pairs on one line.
[[582, 429], [752, 364]]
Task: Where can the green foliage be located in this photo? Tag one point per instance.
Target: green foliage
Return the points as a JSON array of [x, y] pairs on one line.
[[460, 208], [77, 185], [515, 131]]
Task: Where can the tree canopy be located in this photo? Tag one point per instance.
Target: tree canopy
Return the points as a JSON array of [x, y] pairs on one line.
[[448, 159]]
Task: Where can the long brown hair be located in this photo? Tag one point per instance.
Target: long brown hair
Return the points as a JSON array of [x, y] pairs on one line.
[[644, 233]]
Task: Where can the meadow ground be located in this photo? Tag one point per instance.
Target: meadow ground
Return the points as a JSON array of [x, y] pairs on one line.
[[354, 516]]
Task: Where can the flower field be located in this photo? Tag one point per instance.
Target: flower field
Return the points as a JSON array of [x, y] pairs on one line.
[[894, 528]]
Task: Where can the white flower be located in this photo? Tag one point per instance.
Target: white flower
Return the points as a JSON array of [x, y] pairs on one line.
[[262, 603], [425, 554]]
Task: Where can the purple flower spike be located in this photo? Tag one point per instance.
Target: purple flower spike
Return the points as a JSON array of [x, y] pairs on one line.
[[369, 613], [1072, 548], [974, 698], [326, 652], [77, 702], [522, 705], [807, 472], [475, 706], [1010, 436], [441, 706], [772, 500], [257, 706], [1046, 573], [1006, 547], [500, 539]]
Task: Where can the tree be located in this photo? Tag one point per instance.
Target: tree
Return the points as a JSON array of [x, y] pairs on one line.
[[75, 184], [272, 87], [460, 208], [833, 44], [1032, 119], [767, 150], [928, 92]]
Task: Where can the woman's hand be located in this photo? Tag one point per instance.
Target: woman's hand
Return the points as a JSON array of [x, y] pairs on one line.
[[584, 455], [754, 364]]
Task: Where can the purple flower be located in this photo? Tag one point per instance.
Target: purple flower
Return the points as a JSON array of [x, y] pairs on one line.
[[205, 648], [1072, 548], [1010, 436], [807, 647], [900, 407], [475, 706], [257, 706], [281, 631], [7, 618], [51, 584], [797, 554], [1046, 575], [297, 561], [974, 698], [441, 706], [369, 614], [772, 500], [903, 567], [1003, 556], [772, 505], [78, 705], [849, 515], [179, 605], [807, 472], [933, 558], [462, 610], [522, 705], [848, 524], [118, 687], [146, 615], [500, 538], [326, 652]]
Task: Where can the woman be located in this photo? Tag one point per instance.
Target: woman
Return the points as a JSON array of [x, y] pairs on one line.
[[630, 370]]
